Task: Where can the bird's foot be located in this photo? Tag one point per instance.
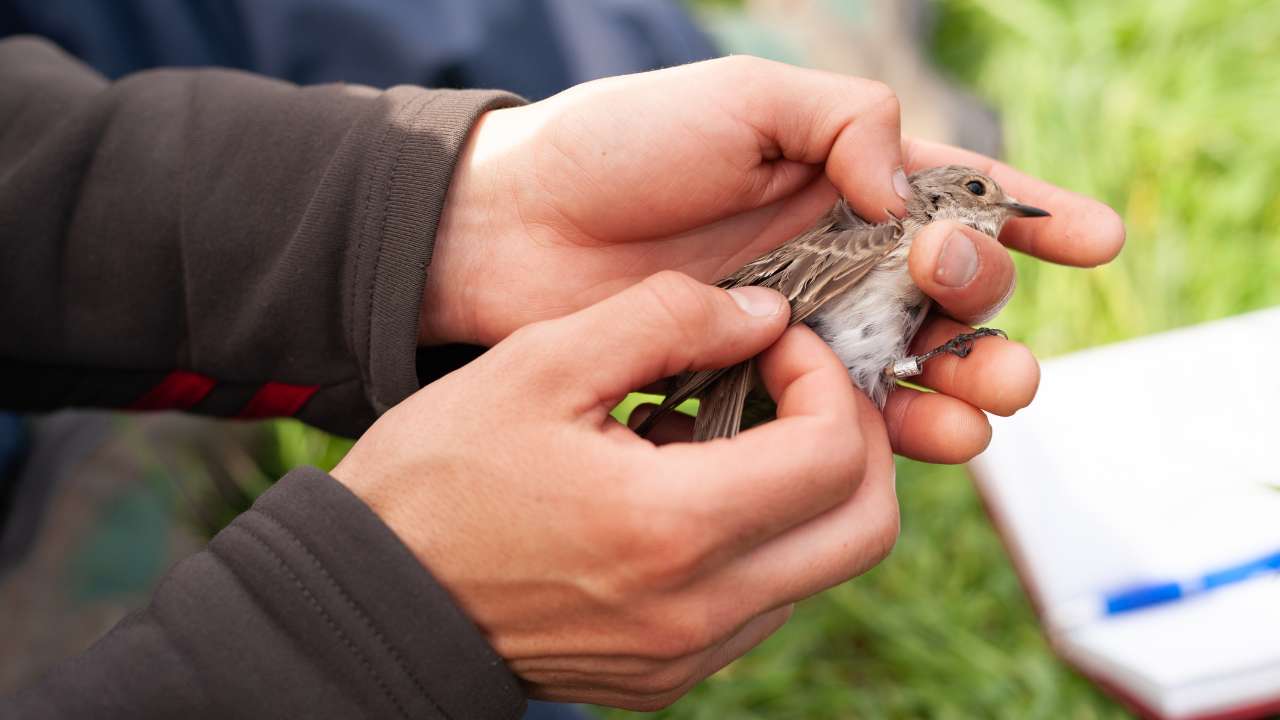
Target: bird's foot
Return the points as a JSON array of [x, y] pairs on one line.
[[960, 346]]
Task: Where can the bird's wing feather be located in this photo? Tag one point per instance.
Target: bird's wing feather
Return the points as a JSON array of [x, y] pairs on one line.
[[810, 270], [820, 264]]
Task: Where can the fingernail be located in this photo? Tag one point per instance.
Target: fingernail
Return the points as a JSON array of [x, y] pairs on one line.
[[901, 185], [958, 261], [757, 301]]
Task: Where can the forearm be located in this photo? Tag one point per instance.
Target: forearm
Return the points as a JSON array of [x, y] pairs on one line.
[[214, 241], [305, 606]]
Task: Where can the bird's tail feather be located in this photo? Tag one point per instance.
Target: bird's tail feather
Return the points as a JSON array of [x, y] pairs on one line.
[[690, 385], [720, 413]]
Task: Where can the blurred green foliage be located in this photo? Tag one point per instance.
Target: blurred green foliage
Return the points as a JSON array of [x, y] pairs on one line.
[[1166, 109], [295, 444], [285, 444]]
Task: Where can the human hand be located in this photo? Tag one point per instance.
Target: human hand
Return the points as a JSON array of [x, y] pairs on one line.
[[605, 568], [704, 167]]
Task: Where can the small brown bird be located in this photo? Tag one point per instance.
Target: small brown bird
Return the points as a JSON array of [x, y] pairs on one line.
[[848, 280]]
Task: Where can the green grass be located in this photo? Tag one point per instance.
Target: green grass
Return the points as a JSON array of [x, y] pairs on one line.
[[1167, 110]]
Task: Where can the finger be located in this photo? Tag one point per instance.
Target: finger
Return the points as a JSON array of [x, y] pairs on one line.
[[781, 473], [1082, 231], [1000, 376], [969, 274], [851, 124], [667, 324], [756, 631], [672, 427], [830, 548], [653, 689], [628, 671], [935, 428]]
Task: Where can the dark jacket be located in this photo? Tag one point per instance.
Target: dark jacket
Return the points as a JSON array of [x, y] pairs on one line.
[[219, 243]]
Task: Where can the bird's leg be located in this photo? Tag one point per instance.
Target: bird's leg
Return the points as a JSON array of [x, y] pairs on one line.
[[960, 346]]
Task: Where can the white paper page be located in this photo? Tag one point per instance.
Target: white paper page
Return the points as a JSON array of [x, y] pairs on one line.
[[1191, 658], [1156, 459]]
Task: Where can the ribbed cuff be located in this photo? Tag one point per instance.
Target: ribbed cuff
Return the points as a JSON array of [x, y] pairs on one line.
[[365, 608], [425, 133]]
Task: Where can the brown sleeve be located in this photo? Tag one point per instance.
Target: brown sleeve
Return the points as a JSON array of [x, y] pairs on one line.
[[217, 242], [306, 606], [214, 241]]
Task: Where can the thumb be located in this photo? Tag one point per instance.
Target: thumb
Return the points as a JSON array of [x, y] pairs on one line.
[[851, 125], [969, 274], [667, 324]]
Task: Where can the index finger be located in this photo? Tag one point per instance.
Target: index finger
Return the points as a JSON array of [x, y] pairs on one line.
[[849, 125], [1081, 231]]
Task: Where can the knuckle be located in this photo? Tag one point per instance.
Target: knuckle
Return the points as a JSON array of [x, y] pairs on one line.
[[849, 455], [879, 97], [665, 682], [843, 450], [656, 552], [743, 66], [521, 353], [679, 632], [683, 305], [676, 290], [884, 533], [529, 336], [668, 554]]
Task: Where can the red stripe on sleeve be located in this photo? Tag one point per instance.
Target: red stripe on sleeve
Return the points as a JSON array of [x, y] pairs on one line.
[[277, 399], [179, 390]]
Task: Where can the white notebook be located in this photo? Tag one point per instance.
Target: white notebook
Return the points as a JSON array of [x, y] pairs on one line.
[[1139, 496]]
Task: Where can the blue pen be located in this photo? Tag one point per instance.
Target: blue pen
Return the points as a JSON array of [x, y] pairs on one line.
[[1137, 597]]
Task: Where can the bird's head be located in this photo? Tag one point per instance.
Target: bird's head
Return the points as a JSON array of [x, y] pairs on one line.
[[956, 192]]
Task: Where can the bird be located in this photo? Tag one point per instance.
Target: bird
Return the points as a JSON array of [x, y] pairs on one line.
[[847, 279]]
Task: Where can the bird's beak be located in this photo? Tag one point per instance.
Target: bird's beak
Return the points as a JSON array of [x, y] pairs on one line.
[[1021, 210]]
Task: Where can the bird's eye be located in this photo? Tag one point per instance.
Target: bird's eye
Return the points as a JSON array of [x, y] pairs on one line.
[[976, 187]]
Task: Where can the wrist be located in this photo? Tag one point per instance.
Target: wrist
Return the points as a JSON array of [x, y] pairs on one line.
[[449, 310]]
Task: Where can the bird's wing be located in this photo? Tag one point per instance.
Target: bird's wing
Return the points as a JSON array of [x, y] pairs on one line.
[[820, 264], [809, 270]]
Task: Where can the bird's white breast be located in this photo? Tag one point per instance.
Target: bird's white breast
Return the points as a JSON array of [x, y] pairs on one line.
[[871, 326]]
